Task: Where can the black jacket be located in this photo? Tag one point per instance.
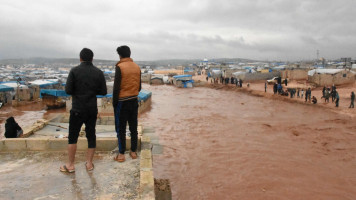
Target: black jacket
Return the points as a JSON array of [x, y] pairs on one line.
[[11, 128], [84, 83]]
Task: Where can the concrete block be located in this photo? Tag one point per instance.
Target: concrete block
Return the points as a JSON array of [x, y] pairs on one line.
[[15, 144], [106, 144], [146, 154], [2, 145], [146, 164], [110, 122], [82, 144], [145, 139], [36, 144], [58, 144], [147, 185]]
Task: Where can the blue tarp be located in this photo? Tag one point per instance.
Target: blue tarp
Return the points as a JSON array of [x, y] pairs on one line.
[[182, 76], [56, 93], [144, 95], [4, 88]]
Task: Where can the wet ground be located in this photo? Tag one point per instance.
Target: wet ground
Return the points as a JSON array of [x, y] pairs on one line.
[[222, 144], [29, 175]]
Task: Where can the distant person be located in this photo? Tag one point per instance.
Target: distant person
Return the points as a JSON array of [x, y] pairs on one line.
[[240, 82], [333, 93], [337, 98], [314, 100], [323, 91], [286, 82], [275, 88], [302, 93], [309, 94], [84, 82], [127, 85], [279, 88], [237, 82], [207, 78], [352, 100], [306, 95], [266, 86], [326, 95], [12, 129], [298, 91], [232, 80]]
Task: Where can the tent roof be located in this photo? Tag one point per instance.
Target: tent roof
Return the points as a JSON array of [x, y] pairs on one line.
[[324, 71]]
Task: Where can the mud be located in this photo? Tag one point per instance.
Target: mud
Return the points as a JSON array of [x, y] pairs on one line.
[[224, 144]]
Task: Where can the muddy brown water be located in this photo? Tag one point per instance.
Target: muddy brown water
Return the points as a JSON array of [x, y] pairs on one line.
[[229, 145]]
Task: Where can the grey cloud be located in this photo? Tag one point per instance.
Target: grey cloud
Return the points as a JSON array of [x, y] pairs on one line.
[[157, 29]]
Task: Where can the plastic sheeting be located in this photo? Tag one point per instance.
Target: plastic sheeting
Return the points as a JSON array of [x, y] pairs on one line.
[[4, 88], [56, 93], [216, 73], [144, 95], [324, 71]]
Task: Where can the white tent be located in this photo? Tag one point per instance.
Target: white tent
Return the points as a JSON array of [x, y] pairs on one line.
[[324, 71]]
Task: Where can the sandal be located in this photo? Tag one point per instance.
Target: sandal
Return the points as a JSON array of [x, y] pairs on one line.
[[133, 155], [91, 169], [65, 169], [116, 158]]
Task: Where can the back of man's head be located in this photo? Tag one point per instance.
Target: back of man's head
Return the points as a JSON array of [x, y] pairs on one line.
[[124, 51], [86, 55]]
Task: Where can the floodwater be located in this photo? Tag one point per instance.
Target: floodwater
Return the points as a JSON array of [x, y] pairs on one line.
[[221, 144]]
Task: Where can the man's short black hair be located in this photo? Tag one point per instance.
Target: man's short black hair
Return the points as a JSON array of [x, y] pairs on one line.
[[86, 54], [124, 51]]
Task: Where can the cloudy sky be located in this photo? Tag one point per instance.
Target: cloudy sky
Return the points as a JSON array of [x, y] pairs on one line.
[[182, 29]]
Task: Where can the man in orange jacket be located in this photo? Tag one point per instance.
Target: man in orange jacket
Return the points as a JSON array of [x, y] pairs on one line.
[[127, 85]]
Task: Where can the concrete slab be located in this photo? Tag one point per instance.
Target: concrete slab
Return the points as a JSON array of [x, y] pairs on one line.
[[58, 144], [26, 175], [37, 144], [14, 144], [2, 145]]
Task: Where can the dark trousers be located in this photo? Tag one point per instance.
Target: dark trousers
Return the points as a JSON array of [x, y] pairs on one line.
[[337, 102], [76, 120], [352, 103], [126, 112]]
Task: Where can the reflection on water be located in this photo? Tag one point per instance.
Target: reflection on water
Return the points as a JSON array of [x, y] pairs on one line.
[[228, 145]]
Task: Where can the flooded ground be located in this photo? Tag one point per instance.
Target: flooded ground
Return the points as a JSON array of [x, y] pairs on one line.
[[228, 145]]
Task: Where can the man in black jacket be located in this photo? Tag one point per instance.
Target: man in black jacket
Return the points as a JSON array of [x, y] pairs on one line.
[[84, 83]]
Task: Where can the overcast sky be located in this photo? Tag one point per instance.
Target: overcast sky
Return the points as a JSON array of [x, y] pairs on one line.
[[182, 29]]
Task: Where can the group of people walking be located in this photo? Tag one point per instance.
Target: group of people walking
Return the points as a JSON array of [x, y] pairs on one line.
[[226, 80]]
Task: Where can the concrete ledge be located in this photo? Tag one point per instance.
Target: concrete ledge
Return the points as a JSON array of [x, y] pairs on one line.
[[59, 144], [35, 144], [15, 144], [146, 170], [2, 145]]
